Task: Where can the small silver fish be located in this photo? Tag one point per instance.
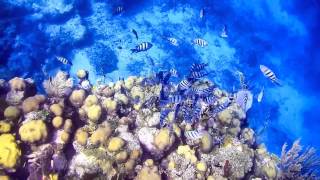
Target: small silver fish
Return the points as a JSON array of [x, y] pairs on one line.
[[63, 60], [200, 42], [268, 73], [260, 95], [193, 135], [201, 15], [224, 32], [173, 41]]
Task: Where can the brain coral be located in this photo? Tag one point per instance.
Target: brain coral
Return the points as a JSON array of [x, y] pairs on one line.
[[33, 131]]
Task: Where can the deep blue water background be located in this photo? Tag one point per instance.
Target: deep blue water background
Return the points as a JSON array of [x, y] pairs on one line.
[[284, 35]]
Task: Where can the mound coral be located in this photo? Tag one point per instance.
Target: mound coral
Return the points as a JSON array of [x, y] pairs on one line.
[[77, 97], [57, 121], [56, 109], [32, 103], [164, 139], [94, 113], [12, 112], [115, 144], [82, 74], [148, 171], [33, 131], [101, 134], [9, 152], [5, 127]]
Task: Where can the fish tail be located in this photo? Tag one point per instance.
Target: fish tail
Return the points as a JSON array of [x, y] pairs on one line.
[[277, 82], [133, 50], [162, 103]]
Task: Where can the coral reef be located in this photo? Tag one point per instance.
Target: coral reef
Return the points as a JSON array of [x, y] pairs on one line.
[[139, 128]]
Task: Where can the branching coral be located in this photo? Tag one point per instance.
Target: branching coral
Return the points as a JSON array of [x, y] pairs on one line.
[[298, 164], [59, 86]]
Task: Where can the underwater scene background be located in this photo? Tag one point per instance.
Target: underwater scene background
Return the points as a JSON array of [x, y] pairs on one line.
[[99, 35]]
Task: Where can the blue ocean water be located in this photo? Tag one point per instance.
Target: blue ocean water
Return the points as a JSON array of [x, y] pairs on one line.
[[283, 35]]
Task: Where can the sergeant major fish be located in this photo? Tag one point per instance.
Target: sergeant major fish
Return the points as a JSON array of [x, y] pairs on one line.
[[63, 60], [198, 67], [118, 10], [142, 47], [193, 135], [268, 73], [200, 42]]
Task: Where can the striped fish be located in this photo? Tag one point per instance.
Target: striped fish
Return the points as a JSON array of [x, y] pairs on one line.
[[198, 74], [200, 42], [163, 116], [175, 99], [196, 113], [210, 99], [184, 84], [268, 73], [173, 41], [198, 67], [118, 10], [63, 60], [207, 91], [193, 135], [220, 108], [142, 47], [185, 111]]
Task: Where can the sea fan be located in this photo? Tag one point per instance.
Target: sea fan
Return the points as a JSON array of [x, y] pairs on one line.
[[59, 86], [298, 164]]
